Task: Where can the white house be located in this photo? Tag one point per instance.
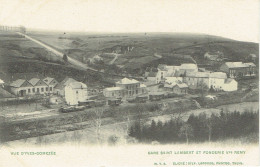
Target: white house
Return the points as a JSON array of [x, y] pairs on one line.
[[60, 87], [75, 92], [115, 92], [21, 87], [39, 86], [230, 85], [51, 82], [126, 88], [217, 80]]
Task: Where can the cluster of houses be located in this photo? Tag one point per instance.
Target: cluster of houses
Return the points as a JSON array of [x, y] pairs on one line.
[[175, 79], [179, 78], [71, 90]]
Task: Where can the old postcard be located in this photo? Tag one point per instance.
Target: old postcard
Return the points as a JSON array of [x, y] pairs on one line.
[[129, 83]]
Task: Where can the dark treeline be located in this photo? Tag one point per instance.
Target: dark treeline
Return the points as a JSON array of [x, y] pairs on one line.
[[198, 128]]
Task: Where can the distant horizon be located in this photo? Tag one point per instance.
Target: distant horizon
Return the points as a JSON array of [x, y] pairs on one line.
[[107, 33], [237, 20]]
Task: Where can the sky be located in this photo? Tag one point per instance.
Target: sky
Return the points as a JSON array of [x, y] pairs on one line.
[[235, 19]]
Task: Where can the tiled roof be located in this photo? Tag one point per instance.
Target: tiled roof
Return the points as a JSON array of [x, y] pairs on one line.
[[18, 83]]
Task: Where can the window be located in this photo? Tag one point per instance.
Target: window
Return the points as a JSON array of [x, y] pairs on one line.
[[136, 91], [33, 89], [50, 88], [29, 90], [46, 89], [42, 89], [77, 92], [38, 90]]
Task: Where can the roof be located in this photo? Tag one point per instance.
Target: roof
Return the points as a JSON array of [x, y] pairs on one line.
[[250, 64], [182, 85], [113, 88], [77, 85], [218, 75], [142, 86], [228, 80], [65, 82], [34, 81], [48, 80], [238, 64], [162, 67], [171, 85], [5, 94], [18, 83], [198, 74], [127, 81], [189, 66]]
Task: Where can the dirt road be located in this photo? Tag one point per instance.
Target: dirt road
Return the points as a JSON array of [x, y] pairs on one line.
[[58, 53]]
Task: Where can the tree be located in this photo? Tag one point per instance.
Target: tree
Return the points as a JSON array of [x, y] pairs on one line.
[[65, 58], [97, 121], [186, 131]]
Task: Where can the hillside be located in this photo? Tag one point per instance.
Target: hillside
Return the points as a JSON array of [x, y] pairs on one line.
[[134, 52], [22, 59], [117, 53]]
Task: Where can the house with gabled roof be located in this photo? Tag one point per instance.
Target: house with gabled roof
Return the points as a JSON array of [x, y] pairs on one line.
[[75, 93], [230, 85], [180, 88], [125, 88], [21, 87], [51, 82], [39, 86], [238, 69], [60, 87]]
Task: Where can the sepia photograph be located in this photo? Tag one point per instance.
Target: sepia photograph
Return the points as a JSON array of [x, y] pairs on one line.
[[129, 83]]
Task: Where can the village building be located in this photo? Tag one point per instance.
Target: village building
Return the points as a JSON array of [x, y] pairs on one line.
[[230, 85], [196, 79], [165, 71], [60, 87], [75, 92], [51, 82], [209, 80], [181, 88], [21, 87], [116, 92], [126, 88], [39, 87], [1, 83], [238, 69], [214, 56]]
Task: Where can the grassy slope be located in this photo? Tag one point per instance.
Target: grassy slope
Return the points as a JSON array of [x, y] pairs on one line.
[[84, 46], [21, 58]]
